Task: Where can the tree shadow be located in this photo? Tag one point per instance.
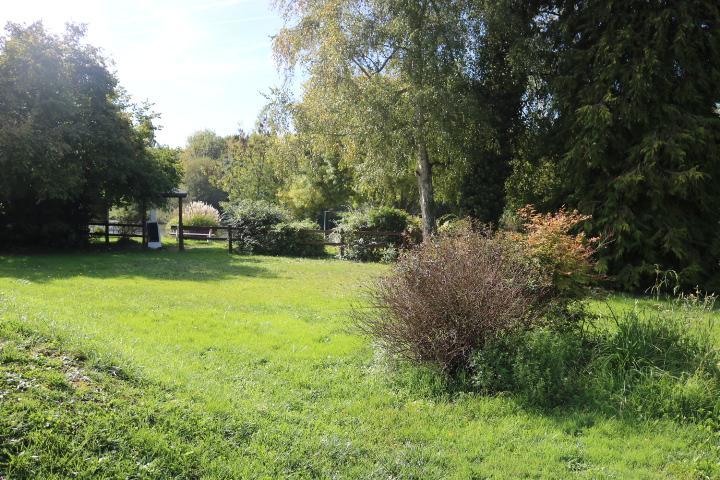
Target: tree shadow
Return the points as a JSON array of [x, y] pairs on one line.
[[201, 264]]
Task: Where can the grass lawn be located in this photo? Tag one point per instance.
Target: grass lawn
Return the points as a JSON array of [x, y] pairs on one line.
[[205, 365]]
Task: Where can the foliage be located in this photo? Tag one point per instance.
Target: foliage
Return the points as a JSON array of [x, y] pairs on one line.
[[450, 224], [356, 228], [447, 296], [506, 65], [127, 213], [299, 239], [282, 167], [566, 257], [207, 144], [635, 141], [265, 228], [542, 365], [198, 179], [650, 364], [250, 174], [202, 160], [70, 143], [200, 214], [386, 84], [254, 223], [498, 93]]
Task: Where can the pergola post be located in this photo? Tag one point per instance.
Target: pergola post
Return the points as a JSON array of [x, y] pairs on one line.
[[107, 226], [181, 244], [179, 194], [143, 216]]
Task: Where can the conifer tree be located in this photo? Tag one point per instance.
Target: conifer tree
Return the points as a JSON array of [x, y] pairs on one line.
[[636, 92]]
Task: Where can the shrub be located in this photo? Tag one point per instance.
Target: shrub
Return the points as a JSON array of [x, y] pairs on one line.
[[542, 365], [298, 239], [266, 229], [357, 227], [652, 364], [254, 221], [446, 297], [566, 257], [200, 214], [450, 224], [389, 254], [129, 214], [387, 219]]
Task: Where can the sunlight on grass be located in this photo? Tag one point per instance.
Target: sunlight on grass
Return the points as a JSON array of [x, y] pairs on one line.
[[262, 345]]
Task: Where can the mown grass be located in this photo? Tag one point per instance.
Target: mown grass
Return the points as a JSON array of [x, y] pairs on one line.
[[205, 365]]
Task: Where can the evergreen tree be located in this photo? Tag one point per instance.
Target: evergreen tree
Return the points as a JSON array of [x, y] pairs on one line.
[[636, 93]]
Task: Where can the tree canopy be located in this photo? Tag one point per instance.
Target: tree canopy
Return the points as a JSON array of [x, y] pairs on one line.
[[70, 142], [607, 107], [631, 132]]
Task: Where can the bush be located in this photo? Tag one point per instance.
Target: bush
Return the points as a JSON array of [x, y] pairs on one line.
[[387, 219], [567, 258], [357, 227], [297, 239], [254, 221], [543, 366], [652, 364], [200, 214], [127, 213], [446, 297], [266, 229], [450, 224]]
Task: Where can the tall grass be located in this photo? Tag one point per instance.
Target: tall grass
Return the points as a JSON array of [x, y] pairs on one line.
[[649, 362]]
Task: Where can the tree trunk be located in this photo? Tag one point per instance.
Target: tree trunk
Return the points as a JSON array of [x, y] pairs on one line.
[[427, 198]]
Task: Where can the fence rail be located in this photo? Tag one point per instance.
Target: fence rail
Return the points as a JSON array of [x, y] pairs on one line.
[[212, 233]]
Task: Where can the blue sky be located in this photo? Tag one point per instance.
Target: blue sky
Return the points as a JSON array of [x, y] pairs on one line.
[[203, 64]]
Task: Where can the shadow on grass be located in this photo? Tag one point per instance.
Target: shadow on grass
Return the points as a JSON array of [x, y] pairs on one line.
[[194, 264]]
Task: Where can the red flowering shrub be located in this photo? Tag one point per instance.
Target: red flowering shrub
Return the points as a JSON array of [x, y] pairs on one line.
[[566, 257]]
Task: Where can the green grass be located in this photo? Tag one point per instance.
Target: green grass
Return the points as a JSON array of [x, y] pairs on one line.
[[205, 365]]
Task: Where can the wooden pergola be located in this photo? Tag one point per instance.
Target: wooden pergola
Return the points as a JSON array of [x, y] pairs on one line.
[[179, 194]]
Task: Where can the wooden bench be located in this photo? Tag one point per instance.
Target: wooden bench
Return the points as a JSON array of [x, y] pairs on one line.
[[194, 233]]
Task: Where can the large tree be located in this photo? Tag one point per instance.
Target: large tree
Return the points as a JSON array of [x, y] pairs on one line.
[[203, 159], [70, 143], [384, 81], [636, 91]]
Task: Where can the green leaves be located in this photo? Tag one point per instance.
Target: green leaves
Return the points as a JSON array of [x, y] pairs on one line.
[[71, 144], [635, 89]]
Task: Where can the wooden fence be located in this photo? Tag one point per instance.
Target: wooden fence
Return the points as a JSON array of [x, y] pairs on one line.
[[226, 234], [116, 229]]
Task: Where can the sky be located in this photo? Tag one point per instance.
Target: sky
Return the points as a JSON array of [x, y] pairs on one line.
[[203, 64]]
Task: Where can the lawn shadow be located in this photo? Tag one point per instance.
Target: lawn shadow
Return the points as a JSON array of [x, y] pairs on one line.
[[199, 264]]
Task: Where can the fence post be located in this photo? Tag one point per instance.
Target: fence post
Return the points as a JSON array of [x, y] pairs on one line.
[[107, 227], [144, 225], [181, 244], [229, 229], [342, 244]]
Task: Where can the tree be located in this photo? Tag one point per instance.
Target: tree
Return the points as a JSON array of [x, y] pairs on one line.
[[206, 143], [638, 135], [506, 61], [250, 173], [383, 78], [70, 143], [283, 167], [202, 161]]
